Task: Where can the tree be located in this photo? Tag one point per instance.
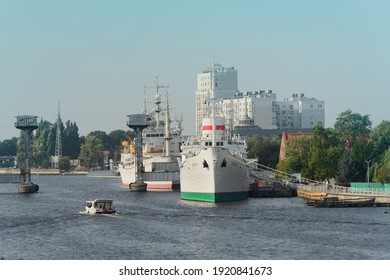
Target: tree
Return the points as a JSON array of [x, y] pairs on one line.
[[324, 155], [383, 175], [41, 145], [116, 138], [64, 163], [383, 169], [380, 137], [9, 147], [103, 137], [265, 149], [91, 152], [296, 156], [349, 126], [70, 140], [353, 130]]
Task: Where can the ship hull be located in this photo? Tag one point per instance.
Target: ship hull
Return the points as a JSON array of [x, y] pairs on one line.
[[214, 175], [165, 179]]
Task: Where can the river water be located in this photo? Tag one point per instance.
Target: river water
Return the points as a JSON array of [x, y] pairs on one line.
[[155, 225]]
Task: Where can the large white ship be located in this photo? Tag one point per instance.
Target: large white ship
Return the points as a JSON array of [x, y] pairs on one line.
[[160, 153], [214, 169]]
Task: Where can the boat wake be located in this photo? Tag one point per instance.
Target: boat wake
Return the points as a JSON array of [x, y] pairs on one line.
[[114, 215]]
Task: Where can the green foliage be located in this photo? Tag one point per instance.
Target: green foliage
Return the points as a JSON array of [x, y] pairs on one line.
[[265, 149], [91, 152], [380, 137], [350, 126], [324, 155], [42, 150], [70, 140], [64, 163], [103, 137], [45, 139], [116, 139], [353, 131], [340, 153], [112, 142], [296, 155], [9, 147], [382, 169]]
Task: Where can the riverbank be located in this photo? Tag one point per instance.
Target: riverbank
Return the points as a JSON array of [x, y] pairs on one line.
[[40, 171]]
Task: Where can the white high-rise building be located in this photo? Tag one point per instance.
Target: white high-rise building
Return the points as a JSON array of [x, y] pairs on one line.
[[258, 108], [250, 107], [226, 85], [261, 109], [299, 112]]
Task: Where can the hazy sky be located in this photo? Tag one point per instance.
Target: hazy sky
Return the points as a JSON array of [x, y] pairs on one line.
[[94, 57]]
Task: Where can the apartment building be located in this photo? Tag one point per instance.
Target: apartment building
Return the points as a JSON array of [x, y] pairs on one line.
[[256, 108], [225, 86]]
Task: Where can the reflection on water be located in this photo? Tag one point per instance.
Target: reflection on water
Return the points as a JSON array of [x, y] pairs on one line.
[[158, 225]]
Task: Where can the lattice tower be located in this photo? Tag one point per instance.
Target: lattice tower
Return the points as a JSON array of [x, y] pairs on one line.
[[58, 147]]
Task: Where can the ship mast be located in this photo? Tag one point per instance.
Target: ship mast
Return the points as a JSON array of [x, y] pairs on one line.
[[212, 106], [179, 128], [145, 109], [157, 102], [167, 136]]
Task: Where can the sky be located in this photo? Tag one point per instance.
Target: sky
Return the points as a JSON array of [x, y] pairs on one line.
[[95, 57]]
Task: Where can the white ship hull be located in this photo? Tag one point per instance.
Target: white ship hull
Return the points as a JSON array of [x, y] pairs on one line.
[[165, 179], [214, 175]]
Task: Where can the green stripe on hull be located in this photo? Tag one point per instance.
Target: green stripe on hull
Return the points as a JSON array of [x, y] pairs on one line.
[[214, 197]]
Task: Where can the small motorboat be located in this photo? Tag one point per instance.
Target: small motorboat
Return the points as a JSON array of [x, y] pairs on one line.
[[99, 206]]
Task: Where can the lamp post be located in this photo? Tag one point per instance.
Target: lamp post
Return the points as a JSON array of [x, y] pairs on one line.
[[368, 172]]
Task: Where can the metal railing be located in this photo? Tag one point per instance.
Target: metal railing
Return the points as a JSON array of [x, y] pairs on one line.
[[346, 190], [263, 172]]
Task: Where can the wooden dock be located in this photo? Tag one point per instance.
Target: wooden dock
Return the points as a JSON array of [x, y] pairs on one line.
[[341, 197], [336, 202]]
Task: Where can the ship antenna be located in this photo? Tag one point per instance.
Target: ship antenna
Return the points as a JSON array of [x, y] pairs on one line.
[[167, 137], [157, 101], [212, 105], [145, 110]]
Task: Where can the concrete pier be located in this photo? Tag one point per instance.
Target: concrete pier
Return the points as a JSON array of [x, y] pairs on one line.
[[138, 187], [314, 194], [28, 187]]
